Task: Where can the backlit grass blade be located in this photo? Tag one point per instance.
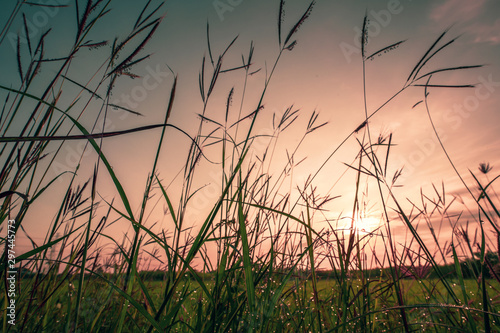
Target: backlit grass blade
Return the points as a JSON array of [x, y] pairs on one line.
[[247, 262]]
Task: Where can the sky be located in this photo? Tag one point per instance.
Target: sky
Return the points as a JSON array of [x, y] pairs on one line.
[[322, 74]]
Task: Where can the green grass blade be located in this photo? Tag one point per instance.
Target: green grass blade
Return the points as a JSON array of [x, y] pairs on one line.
[[247, 262]]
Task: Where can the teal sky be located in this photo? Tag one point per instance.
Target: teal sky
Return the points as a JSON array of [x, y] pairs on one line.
[[322, 73]]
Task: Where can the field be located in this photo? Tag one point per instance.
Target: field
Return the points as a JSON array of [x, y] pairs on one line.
[[255, 248], [428, 305]]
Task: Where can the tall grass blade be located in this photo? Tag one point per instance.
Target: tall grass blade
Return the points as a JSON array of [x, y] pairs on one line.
[[247, 261], [421, 61]]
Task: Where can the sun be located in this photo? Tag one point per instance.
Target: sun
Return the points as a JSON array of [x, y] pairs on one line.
[[367, 225], [362, 225]]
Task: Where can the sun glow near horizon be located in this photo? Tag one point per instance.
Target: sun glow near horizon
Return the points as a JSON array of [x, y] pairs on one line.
[[362, 226]]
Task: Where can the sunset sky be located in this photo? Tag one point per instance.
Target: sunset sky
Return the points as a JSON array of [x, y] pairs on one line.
[[322, 73]]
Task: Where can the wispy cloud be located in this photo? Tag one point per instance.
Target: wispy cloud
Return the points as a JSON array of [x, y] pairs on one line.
[[452, 11], [487, 33], [465, 11]]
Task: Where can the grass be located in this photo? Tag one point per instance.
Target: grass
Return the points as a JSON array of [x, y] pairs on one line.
[[261, 256]]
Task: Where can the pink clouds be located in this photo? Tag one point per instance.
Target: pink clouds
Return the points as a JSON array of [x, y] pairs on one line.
[[487, 33], [462, 11], [452, 11]]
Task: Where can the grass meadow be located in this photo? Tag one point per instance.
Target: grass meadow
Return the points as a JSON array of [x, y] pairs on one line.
[[255, 262]]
